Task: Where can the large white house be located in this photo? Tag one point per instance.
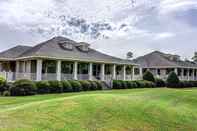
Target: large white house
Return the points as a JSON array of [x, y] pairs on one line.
[[63, 59], [161, 64]]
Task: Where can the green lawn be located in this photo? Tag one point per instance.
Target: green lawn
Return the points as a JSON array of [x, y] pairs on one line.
[[118, 110]]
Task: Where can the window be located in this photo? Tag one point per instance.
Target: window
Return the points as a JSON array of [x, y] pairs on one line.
[[69, 46], [84, 47], [179, 72], [67, 67], [158, 71], [136, 71], [66, 46]]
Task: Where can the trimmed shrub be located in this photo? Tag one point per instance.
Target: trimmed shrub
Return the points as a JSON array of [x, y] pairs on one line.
[[93, 85], [43, 87], [100, 85], [76, 85], [117, 84], [23, 88], [131, 84], [148, 76], [2, 84], [67, 87], [140, 84], [160, 83], [173, 80], [124, 84], [6, 93], [86, 85], [187, 84], [145, 84], [149, 84], [55, 86]]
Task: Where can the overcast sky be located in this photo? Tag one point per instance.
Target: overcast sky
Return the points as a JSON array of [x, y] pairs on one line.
[[112, 26]]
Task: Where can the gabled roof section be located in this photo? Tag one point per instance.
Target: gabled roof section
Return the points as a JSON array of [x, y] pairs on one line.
[[52, 49], [159, 59], [14, 52]]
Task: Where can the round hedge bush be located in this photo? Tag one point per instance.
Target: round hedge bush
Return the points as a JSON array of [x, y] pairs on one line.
[[93, 85], [86, 85], [43, 87], [117, 84], [23, 88], [99, 85], [160, 83], [2, 84], [76, 85], [67, 87], [173, 80], [148, 76], [55, 86]]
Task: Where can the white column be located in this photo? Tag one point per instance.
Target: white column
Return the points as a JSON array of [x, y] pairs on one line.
[[39, 70], [90, 72], [133, 73], [176, 71], [75, 70], [114, 72], [24, 66], [103, 72], [28, 66], [17, 66], [59, 71], [124, 72], [188, 71], [141, 72], [182, 74], [193, 77]]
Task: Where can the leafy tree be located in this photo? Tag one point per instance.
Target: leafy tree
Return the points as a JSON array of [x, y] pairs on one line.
[[129, 55], [194, 58], [148, 76], [173, 80]]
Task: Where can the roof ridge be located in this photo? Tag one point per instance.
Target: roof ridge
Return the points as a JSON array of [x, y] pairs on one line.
[[36, 47]]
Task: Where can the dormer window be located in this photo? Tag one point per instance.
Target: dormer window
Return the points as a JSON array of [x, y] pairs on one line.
[[66, 45], [84, 47]]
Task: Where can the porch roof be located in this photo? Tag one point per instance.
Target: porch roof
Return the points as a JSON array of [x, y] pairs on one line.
[[52, 49], [158, 59], [14, 52]]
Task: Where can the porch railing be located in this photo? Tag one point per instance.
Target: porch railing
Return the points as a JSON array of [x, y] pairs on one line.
[[49, 76], [83, 77], [128, 77], [108, 77], [119, 77], [67, 76], [29, 76]]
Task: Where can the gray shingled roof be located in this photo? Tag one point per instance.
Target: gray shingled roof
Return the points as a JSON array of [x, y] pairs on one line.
[[159, 59], [52, 49], [14, 52]]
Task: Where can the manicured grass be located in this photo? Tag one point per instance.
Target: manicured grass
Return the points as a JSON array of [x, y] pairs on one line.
[[117, 110]]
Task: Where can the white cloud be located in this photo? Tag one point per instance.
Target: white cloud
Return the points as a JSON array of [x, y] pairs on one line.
[[149, 25], [163, 35], [168, 6]]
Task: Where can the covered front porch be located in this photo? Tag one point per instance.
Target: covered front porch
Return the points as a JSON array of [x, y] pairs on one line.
[[184, 74], [49, 69]]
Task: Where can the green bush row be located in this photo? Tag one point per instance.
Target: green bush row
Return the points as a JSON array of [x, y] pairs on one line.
[[27, 87], [120, 84]]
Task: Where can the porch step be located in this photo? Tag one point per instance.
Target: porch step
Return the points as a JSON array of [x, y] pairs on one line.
[[107, 85]]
